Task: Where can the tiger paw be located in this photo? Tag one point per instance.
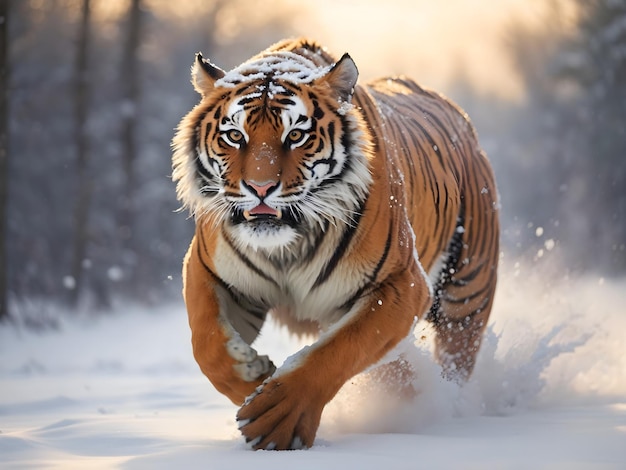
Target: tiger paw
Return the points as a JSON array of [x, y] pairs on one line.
[[249, 365], [278, 416]]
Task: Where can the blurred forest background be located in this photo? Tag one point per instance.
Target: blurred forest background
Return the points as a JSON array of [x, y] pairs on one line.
[[91, 91]]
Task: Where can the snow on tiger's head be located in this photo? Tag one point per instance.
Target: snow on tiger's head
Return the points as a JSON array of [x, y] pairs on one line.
[[274, 150]]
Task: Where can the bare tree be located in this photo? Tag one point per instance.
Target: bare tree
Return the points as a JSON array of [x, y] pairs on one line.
[[85, 183], [76, 147], [130, 82], [4, 156]]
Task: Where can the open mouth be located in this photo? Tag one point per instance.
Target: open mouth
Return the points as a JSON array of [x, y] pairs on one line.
[[262, 211], [266, 216]]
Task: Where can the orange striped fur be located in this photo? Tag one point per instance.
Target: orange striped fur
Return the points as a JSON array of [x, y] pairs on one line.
[[344, 210]]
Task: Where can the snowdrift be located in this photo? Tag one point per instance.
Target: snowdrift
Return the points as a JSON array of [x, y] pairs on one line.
[[123, 391]]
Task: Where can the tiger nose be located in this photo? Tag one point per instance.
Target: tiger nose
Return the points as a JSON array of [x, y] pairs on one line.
[[261, 189]]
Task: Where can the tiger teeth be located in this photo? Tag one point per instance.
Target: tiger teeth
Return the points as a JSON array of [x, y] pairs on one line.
[[247, 216], [279, 214]]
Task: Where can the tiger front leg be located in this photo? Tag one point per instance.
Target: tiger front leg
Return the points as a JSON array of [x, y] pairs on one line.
[[233, 367], [285, 412]]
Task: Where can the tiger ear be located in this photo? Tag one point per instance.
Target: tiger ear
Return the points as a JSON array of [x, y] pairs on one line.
[[204, 74], [342, 77]]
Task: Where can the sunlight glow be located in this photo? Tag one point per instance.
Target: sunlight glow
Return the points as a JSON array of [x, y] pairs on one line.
[[434, 42]]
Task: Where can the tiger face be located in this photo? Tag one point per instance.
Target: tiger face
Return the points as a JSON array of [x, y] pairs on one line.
[[276, 151]]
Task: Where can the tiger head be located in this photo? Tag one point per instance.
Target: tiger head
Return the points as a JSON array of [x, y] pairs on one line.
[[274, 151]]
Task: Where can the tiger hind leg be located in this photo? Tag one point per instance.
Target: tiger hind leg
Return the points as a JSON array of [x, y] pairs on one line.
[[463, 298], [396, 379]]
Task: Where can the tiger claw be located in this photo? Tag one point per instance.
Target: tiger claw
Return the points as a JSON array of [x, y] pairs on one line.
[[297, 444], [243, 422], [254, 442]]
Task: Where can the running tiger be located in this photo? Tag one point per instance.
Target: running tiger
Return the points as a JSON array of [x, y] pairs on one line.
[[348, 211]]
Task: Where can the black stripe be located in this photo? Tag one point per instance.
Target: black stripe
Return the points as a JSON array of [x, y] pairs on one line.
[[285, 101], [372, 285], [469, 316], [236, 295], [341, 248], [464, 299], [460, 282], [259, 314], [196, 127], [211, 273], [246, 100], [247, 261], [308, 257], [384, 256]]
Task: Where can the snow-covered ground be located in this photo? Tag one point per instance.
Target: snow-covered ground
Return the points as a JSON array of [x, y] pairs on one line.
[[123, 391]]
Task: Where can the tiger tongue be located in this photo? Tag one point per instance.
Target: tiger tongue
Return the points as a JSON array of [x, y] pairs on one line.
[[264, 209]]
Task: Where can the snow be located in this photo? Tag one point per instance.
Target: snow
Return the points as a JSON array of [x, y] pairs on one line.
[[280, 65], [123, 391]]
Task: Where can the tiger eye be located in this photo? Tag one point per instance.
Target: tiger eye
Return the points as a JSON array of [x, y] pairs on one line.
[[296, 135], [234, 135]]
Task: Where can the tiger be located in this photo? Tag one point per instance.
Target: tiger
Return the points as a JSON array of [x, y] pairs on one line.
[[344, 211]]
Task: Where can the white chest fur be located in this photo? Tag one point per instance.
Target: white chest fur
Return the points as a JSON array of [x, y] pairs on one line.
[[294, 289]]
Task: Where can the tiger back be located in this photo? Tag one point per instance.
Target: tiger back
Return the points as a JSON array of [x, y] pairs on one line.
[[344, 210], [452, 206]]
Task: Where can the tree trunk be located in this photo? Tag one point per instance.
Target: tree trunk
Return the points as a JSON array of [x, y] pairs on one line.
[[129, 78], [4, 157], [85, 183]]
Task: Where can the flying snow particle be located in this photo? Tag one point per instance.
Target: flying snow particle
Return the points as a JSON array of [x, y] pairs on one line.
[[69, 282], [115, 273]]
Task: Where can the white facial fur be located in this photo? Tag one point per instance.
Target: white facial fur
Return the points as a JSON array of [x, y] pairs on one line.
[[335, 203]]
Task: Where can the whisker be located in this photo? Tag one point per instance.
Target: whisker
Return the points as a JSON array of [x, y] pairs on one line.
[[321, 209]]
